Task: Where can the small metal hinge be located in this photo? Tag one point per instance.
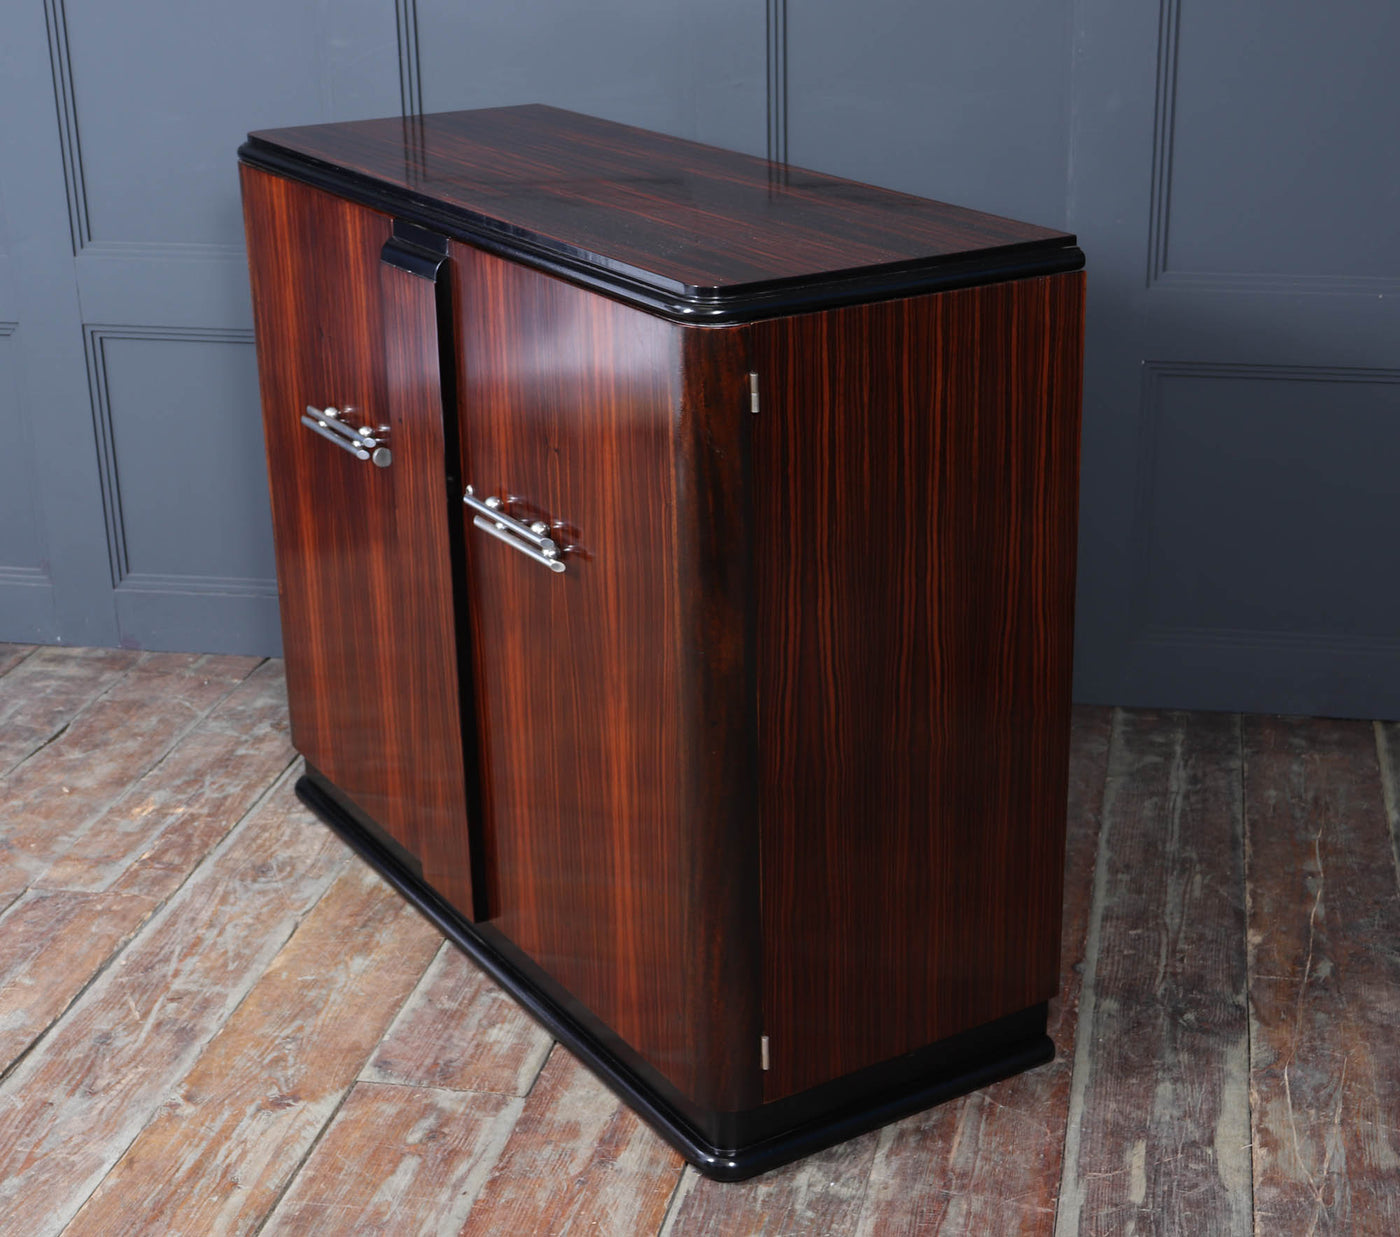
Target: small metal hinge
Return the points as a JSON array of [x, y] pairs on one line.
[[763, 1050], [753, 405]]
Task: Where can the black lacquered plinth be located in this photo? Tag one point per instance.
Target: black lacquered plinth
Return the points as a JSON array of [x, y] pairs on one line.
[[728, 1146]]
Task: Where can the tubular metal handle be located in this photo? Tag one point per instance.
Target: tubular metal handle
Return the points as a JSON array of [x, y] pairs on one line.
[[531, 540], [363, 443]]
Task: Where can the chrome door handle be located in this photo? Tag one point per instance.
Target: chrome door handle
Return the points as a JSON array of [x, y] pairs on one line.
[[363, 443], [532, 540]]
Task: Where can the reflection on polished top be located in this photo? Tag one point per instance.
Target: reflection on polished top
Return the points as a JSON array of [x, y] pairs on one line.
[[653, 218]]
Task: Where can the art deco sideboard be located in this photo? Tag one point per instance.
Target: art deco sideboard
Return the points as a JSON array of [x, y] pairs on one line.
[[676, 562]]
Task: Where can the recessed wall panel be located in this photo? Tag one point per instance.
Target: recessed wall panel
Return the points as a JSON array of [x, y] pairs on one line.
[[190, 493], [20, 544], [1280, 125], [164, 92], [1272, 496]]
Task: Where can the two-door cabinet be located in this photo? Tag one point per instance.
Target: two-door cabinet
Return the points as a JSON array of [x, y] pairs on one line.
[[676, 563]]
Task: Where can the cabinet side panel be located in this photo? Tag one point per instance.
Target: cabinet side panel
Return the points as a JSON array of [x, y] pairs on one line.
[[597, 851], [916, 470]]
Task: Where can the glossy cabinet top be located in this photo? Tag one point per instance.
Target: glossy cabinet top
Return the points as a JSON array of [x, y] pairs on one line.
[[688, 229]]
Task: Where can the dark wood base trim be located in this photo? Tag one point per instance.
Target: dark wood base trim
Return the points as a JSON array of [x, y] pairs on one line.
[[728, 1146]]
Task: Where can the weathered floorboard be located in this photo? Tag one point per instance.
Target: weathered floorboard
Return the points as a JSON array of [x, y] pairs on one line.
[[990, 1162], [152, 836], [1324, 937], [74, 1103], [397, 1161], [56, 939], [1388, 753], [50, 799], [12, 654], [39, 696], [577, 1161], [1159, 1141], [14, 872], [42, 693], [819, 1194], [51, 945], [460, 1032], [217, 1154]]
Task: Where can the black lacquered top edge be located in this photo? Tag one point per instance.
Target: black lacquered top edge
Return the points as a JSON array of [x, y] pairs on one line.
[[668, 298]]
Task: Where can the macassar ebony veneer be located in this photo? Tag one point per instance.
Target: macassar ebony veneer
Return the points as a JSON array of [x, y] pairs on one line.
[[676, 561]]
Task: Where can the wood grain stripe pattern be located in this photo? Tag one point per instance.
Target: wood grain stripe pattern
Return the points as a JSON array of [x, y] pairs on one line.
[[990, 1162], [915, 593], [605, 752], [426, 723], [677, 214], [372, 683], [314, 263], [986, 1163]]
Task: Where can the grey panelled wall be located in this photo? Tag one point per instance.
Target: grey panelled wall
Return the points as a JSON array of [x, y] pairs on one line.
[[1228, 168], [130, 359], [133, 498], [1234, 180]]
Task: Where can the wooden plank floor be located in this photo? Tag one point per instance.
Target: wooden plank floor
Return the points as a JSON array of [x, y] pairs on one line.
[[214, 1020]]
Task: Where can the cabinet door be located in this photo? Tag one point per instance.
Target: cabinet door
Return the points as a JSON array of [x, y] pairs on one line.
[[608, 692], [363, 561]]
